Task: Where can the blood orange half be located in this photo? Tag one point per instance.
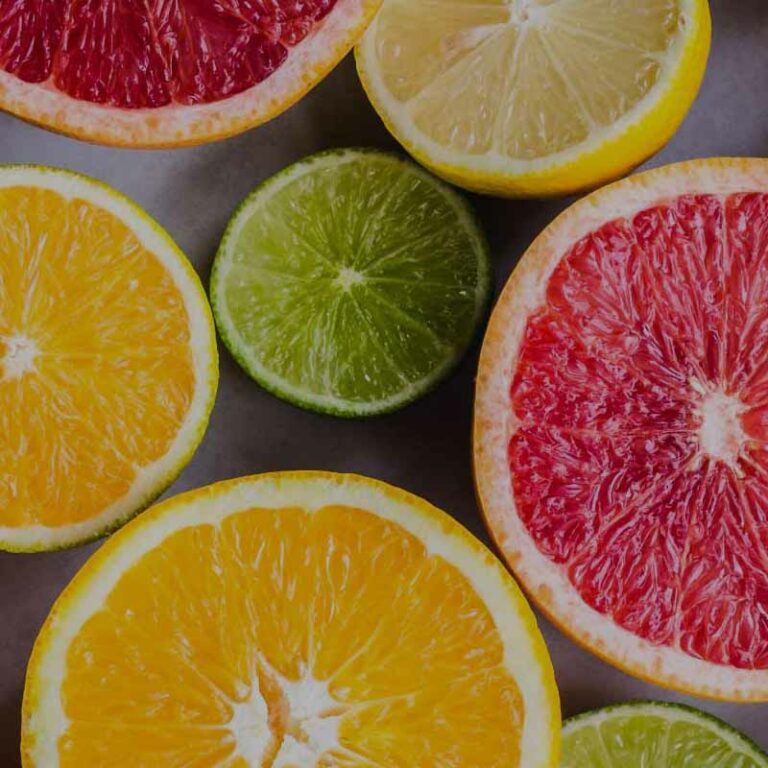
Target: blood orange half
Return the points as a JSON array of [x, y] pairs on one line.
[[621, 425], [167, 72]]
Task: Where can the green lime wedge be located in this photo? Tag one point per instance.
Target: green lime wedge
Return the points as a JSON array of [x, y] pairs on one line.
[[655, 735], [351, 283]]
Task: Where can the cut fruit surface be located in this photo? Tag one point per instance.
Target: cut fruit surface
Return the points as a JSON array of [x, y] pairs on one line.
[[295, 619], [643, 734], [162, 73], [108, 363], [620, 425], [351, 283], [534, 97]]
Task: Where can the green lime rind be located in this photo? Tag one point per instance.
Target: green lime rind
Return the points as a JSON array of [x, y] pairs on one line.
[[351, 283], [649, 734]]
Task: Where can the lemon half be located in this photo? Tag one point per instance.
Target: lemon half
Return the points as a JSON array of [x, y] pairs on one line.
[[531, 98]]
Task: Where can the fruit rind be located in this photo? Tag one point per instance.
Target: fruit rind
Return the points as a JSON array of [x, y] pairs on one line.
[[525, 651], [640, 134], [672, 712], [180, 126], [165, 471], [524, 293], [326, 404]]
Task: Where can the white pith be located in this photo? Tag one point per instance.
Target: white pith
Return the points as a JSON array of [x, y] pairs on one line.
[[525, 657], [178, 124], [349, 277], [311, 717], [494, 425], [496, 164], [721, 434], [250, 727], [151, 478], [19, 356]]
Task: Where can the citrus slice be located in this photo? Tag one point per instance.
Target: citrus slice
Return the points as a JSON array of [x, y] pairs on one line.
[[534, 97], [643, 734], [108, 364], [158, 73], [621, 425], [285, 620], [351, 283]]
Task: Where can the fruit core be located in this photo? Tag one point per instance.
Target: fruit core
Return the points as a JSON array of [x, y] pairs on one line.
[[348, 277], [17, 356], [524, 12], [286, 722], [721, 434]]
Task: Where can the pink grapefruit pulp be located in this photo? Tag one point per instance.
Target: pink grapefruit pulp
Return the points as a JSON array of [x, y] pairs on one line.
[[165, 72], [621, 435]]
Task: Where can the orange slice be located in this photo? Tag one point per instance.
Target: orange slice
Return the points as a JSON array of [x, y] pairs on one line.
[[108, 363], [621, 425], [294, 619], [159, 73]]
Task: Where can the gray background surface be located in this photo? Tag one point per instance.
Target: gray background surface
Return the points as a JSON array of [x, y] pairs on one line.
[[425, 448]]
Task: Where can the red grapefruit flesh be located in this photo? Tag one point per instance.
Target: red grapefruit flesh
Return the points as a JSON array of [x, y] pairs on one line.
[[157, 72], [622, 425]]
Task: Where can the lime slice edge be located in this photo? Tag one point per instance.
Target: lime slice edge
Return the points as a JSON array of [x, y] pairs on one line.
[[288, 390], [740, 744]]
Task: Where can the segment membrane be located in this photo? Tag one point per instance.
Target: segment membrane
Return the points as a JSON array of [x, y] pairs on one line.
[[747, 245], [610, 52], [647, 323], [413, 54], [723, 613]]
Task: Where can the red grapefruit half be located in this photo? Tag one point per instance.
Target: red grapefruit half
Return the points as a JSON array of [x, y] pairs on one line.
[[621, 425], [153, 73]]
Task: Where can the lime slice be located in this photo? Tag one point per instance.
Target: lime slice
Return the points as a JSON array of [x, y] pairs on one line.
[[655, 735], [351, 283]]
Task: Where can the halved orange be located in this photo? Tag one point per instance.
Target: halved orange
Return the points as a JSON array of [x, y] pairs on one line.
[[161, 73], [292, 619], [621, 425], [108, 365]]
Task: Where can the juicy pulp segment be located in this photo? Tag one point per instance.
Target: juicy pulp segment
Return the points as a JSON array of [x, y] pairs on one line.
[[96, 370], [638, 457], [151, 54], [282, 637], [522, 79]]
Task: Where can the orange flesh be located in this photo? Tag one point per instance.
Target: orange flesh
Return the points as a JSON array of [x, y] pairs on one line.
[[408, 656], [96, 371]]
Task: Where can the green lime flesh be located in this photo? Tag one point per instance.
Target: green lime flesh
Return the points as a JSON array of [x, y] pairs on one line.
[[351, 283], [655, 735]]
